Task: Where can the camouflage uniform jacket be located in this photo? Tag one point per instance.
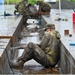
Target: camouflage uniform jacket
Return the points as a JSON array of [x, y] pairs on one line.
[[50, 44], [44, 5], [22, 8]]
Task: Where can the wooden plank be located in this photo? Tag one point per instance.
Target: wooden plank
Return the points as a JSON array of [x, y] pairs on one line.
[[10, 37]]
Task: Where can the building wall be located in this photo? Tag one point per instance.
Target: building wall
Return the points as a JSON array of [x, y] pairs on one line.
[[4, 60], [65, 4], [67, 62]]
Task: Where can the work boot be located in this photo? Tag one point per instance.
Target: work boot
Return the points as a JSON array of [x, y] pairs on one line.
[[17, 65], [19, 59]]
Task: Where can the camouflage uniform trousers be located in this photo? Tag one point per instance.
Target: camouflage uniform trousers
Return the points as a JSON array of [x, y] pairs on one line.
[[33, 51]]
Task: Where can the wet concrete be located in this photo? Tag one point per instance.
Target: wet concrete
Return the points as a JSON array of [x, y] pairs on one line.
[[3, 44], [34, 69], [9, 30], [30, 37]]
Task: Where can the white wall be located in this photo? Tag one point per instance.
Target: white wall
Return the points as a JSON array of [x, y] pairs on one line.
[[49, 0]]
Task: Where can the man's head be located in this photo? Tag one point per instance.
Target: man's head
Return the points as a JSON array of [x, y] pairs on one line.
[[49, 27], [25, 1], [39, 2]]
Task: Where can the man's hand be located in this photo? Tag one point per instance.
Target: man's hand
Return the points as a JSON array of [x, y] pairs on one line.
[[23, 46], [15, 11]]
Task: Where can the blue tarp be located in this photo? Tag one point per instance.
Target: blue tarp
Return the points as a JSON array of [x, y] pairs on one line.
[[72, 43]]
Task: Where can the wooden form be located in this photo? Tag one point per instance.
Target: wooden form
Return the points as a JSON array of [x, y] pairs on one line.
[[10, 37], [66, 32]]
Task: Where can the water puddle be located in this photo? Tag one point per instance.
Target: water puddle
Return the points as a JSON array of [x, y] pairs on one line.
[[32, 26]]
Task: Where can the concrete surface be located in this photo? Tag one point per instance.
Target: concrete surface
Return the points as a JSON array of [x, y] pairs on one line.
[[4, 50], [10, 27], [65, 4], [3, 45]]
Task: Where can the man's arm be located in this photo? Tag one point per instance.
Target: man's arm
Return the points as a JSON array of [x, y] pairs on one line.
[[45, 40], [58, 36], [19, 47]]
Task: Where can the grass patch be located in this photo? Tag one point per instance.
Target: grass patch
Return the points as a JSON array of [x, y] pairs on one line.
[[11, 1], [72, 0]]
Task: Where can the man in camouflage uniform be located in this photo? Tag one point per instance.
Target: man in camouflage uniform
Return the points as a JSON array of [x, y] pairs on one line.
[[23, 9], [47, 53], [44, 6]]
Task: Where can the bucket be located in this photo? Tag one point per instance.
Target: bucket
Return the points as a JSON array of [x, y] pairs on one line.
[[73, 17], [32, 21]]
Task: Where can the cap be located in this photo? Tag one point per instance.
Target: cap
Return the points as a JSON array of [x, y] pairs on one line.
[[51, 26]]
